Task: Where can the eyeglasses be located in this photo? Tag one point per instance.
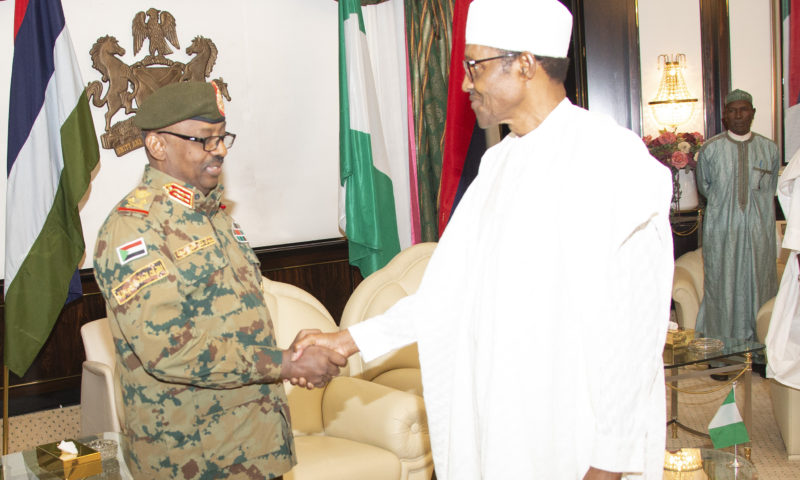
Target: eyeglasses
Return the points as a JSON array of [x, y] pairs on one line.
[[210, 143], [469, 65]]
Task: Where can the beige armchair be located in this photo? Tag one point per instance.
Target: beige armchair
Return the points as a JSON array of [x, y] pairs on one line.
[[785, 400], [98, 391], [352, 429], [399, 278], [687, 287]]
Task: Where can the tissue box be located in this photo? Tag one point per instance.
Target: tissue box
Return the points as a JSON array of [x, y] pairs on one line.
[[68, 466]]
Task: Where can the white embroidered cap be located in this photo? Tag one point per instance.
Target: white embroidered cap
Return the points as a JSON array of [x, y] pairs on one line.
[[542, 27]]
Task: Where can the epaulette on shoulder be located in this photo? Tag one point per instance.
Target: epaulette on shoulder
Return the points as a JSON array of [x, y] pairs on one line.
[[137, 203]]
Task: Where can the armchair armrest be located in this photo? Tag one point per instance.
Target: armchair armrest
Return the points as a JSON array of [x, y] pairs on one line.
[[98, 410], [378, 415], [687, 300]]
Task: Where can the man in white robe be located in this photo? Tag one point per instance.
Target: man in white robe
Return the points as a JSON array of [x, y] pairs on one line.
[[783, 337], [542, 314]]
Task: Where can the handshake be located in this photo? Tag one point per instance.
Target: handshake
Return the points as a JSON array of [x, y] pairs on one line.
[[314, 358]]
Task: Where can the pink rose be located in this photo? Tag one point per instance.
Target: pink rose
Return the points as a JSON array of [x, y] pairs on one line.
[[679, 159], [647, 139], [698, 137], [666, 138]]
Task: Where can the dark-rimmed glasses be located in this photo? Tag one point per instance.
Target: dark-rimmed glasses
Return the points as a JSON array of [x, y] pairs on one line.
[[210, 143], [470, 64]]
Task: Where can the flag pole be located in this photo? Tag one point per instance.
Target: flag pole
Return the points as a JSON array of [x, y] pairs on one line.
[[5, 409], [735, 463]]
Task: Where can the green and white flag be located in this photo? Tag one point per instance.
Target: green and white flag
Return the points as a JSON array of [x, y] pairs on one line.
[[367, 212], [727, 427]]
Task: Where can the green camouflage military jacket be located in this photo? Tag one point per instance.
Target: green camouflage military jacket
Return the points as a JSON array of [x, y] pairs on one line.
[[196, 357]]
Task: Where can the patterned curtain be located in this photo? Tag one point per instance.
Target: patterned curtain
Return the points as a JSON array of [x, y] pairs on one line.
[[429, 32]]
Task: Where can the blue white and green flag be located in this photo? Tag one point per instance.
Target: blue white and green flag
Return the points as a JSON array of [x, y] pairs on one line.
[[52, 149]]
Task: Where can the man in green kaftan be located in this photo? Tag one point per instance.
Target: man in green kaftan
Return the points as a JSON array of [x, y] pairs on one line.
[[737, 172]]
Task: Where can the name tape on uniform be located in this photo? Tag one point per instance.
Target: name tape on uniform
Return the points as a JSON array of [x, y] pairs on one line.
[[192, 247], [139, 279]]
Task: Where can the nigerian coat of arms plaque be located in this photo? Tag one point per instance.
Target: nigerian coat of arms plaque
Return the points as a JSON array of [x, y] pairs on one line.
[[126, 86]]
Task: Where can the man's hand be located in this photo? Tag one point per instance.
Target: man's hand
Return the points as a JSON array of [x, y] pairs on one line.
[[597, 474], [315, 368], [341, 342]]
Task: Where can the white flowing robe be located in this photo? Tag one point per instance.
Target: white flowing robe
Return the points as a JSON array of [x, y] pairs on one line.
[[783, 337], [543, 312]]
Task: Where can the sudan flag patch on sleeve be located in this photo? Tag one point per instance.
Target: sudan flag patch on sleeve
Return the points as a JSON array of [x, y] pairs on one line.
[[132, 250]]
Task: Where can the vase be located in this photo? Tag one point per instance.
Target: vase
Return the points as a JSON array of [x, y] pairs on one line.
[[688, 198]]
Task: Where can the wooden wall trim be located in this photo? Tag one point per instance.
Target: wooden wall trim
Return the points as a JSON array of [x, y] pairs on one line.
[[716, 47], [614, 80]]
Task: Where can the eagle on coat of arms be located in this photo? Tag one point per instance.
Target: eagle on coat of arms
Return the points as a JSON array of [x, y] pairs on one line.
[[129, 84], [159, 28]]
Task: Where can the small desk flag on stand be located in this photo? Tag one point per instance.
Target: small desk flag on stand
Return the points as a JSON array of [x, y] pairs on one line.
[[727, 427]]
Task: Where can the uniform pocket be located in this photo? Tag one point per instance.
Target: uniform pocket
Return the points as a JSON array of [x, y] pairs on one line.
[[197, 266]]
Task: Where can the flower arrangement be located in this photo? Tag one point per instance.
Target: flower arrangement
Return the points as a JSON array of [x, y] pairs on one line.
[[675, 150]]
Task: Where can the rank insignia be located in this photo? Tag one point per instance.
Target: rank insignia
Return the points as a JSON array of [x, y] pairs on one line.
[[180, 194], [192, 247], [139, 279], [238, 234], [131, 250], [138, 202]]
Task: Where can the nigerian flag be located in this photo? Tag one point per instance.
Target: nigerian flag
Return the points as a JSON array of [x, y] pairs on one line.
[[727, 427], [366, 205]]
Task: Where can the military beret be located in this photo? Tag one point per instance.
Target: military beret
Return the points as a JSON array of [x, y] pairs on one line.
[[180, 101], [737, 95]]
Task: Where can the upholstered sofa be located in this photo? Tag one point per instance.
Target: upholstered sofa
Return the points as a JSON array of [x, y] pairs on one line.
[[352, 429], [687, 287]]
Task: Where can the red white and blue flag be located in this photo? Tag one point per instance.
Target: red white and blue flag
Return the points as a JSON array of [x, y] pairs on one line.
[[52, 149]]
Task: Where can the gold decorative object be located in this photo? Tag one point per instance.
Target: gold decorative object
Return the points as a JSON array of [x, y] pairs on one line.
[[133, 83], [679, 338], [673, 104], [684, 464], [84, 464]]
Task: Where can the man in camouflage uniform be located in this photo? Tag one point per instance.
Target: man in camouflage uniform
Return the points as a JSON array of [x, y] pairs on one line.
[[199, 371]]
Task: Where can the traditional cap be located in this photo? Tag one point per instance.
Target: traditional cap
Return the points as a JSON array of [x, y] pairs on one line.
[[542, 27], [737, 95], [180, 101]]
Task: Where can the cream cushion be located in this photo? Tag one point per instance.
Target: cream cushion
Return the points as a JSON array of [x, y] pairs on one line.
[[687, 287], [399, 278], [351, 429]]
